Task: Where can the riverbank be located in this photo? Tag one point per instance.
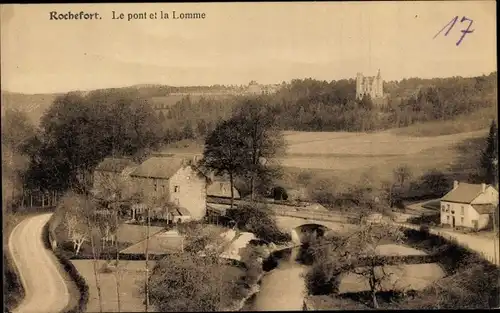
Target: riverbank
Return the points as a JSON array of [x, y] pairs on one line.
[[240, 304], [282, 285]]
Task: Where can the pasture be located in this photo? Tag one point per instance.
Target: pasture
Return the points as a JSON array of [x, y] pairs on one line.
[[347, 157]]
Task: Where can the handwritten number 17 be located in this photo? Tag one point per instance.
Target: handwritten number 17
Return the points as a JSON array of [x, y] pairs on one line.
[[452, 23]]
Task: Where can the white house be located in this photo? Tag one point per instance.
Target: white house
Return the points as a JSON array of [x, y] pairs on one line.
[[175, 180], [469, 205]]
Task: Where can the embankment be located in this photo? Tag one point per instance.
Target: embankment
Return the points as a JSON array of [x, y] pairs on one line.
[[82, 290]]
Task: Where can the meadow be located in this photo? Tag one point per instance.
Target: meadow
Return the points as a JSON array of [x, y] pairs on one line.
[[346, 157]]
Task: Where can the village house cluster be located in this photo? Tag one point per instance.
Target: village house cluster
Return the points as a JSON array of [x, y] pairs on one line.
[[173, 184]]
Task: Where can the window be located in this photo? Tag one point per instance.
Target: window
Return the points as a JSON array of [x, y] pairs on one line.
[[443, 207], [156, 185], [448, 218], [176, 189], [462, 220], [176, 201], [462, 210]]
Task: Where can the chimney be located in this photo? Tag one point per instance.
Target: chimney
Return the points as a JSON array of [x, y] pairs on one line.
[[483, 187], [455, 184]]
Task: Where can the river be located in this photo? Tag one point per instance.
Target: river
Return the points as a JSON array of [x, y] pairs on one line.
[[282, 287]]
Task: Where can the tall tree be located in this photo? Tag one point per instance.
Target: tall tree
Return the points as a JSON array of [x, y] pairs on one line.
[[262, 138], [225, 152], [79, 131], [489, 158]]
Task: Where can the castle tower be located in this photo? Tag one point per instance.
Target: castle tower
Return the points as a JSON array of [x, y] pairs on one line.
[[380, 85], [359, 85], [372, 85]]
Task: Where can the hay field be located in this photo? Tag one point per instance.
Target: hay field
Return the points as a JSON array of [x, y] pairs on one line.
[[348, 155], [133, 277], [385, 143]]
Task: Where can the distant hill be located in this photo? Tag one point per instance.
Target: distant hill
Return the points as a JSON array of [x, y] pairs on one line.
[[33, 104], [160, 97]]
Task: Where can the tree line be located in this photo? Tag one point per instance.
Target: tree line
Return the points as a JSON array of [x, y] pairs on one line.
[[313, 105]]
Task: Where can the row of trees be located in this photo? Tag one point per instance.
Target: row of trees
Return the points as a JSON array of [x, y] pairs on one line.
[[312, 105]]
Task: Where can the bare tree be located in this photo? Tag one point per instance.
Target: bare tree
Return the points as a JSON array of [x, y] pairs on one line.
[[82, 209], [363, 246], [114, 190], [354, 253], [402, 174]]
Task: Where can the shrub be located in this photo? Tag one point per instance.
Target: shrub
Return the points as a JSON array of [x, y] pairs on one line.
[[279, 193], [256, 218], [12, 285], [186, 282]]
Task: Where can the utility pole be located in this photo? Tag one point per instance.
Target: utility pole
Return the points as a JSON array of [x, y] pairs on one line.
[[147, 259], [495, 212]]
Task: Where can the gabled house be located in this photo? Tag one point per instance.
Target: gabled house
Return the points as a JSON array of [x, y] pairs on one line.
[[469, 205], [112, 175], [176, 181]]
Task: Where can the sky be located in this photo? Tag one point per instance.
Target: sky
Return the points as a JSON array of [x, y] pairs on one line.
[[240, 42]]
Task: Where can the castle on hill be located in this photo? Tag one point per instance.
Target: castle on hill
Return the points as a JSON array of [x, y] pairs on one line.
[[369, 85]]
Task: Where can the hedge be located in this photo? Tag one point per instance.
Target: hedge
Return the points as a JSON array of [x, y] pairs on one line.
[[80, 282]]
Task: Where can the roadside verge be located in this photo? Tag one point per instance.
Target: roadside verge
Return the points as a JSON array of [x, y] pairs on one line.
[[78, 288]]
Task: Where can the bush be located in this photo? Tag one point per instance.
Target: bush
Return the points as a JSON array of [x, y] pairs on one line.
[[259, 220], [186, 282], [12, 286], [279, 193], [80, 283]]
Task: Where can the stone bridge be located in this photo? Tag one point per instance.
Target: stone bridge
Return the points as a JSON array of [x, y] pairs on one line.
[[299, 222]]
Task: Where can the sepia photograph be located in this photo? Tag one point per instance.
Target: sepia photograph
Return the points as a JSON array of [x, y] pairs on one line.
[[265, 156]]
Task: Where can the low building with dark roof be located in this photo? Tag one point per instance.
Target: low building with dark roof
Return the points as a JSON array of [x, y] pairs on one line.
[[469, 205]]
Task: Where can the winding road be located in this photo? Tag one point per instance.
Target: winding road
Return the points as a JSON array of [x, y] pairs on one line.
[[45, 288]]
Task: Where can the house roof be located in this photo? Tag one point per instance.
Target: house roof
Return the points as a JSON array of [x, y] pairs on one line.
[[157, 244], [484, 208], [158, 167], [116, 165], [180, 211], [464, 193]]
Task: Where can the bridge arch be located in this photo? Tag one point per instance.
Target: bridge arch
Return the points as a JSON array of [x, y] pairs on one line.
[[310, 230]]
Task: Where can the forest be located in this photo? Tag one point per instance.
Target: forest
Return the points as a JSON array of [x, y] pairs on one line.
[[312, 105]]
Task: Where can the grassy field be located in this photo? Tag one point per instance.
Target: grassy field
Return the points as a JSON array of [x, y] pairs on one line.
[[400, 277], [467, 123], [341, 159], [347, 156], [131, 282]]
